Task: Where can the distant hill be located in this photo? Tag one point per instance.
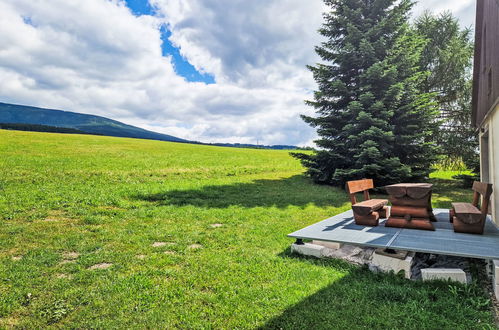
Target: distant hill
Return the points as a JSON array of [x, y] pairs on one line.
[[27, 118], [21, 114]]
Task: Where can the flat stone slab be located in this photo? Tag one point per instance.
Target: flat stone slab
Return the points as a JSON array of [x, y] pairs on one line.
[[386, 263], [342, 229], [104, 265], [70, 255], [307, 249], [453, 274]]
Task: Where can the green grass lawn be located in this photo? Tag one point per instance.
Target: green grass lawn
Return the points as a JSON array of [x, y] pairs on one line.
[[70, 202]]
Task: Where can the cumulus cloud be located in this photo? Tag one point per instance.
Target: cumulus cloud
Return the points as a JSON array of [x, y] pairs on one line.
[[250, 43], [96, 57], [464, 10]]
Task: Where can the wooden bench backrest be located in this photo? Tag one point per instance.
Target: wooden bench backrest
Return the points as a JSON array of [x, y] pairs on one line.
[[484, 189], [356, 186]]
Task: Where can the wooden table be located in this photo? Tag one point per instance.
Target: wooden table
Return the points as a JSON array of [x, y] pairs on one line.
[[411, 206]]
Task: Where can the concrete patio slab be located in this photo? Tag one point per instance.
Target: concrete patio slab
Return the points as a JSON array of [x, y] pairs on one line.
[[342, 229]]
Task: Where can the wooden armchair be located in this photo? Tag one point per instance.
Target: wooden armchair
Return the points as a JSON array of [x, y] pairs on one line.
[[469, 217], [367, 212]]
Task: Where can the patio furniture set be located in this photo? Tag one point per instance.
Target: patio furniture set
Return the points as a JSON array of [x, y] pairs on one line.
[[411, 207]]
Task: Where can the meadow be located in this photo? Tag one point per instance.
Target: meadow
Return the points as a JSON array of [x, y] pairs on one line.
[[100, 232]]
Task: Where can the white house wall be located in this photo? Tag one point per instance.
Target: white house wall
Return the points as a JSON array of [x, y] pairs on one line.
[[492, 125]]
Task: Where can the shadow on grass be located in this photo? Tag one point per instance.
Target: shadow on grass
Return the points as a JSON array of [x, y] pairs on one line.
[[362, 299], [296, 190], [293, 191]]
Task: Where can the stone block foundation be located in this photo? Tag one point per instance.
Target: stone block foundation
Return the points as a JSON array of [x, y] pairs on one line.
[[453, 274]]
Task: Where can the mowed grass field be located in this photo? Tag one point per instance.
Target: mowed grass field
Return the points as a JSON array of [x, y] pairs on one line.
[[100, 232]]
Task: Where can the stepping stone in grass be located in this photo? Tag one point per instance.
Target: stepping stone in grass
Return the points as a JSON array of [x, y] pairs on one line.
[[17, 258], [66, 261], [70, 255], [140, 256], [56, 215], [169, 252], [63, 276], [195, 246], [216, 225], [159, 244], [103, 265]]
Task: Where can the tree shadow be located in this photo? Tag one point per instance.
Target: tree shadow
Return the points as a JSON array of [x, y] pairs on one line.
[[293, 191], [296, 190], [363, 299]]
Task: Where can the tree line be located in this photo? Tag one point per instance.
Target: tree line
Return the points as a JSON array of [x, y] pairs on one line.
[[41, 128], [393, 95]]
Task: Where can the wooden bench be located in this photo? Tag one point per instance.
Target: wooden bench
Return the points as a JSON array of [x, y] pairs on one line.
[[470, 217], [368, 211]]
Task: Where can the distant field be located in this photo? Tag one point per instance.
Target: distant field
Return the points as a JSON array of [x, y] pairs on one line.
[[192, 237]]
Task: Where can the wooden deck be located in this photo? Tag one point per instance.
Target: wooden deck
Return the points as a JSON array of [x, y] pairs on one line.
[[342, 228]]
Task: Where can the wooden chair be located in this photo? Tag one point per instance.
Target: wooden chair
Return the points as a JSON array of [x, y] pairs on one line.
[[470, 217], [367, 212]]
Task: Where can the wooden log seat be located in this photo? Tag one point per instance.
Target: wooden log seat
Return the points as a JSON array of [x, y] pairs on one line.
[[384, 212], [410, 190], [412, 194], [469, 217], [407, 201], [367, 207], [411, 206], [467, 213], [369, 211], [411, 223], [415, 212], [371, 219]]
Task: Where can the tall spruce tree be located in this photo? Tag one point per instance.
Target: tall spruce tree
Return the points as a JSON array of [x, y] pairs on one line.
[[372, 119], [448, 56]]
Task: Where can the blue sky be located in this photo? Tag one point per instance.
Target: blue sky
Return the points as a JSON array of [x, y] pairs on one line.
[[206, 70], [182, 66]]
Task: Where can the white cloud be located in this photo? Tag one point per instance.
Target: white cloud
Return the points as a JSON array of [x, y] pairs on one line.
[[96, 57], [464, 10], [249, 43]]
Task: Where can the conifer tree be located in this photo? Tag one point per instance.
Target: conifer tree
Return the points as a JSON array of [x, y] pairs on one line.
[[448, 56], [372, 120]]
